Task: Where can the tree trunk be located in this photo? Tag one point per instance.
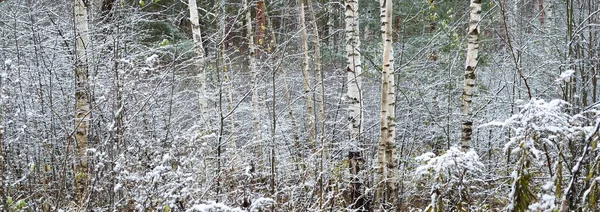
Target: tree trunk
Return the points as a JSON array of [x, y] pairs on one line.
[[2, 177], [387, 164], [330, 25], [321, 102], [227, 76], [306, 75], [199, 62], [353, 96], [255, 99], [318, 70], [469, 82], [82, 102], [261, 24], [542, 12], [356, 199], [432, 27], [354, 70]]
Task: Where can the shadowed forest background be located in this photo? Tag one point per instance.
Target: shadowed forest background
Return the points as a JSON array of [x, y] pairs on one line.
[[304, 105]]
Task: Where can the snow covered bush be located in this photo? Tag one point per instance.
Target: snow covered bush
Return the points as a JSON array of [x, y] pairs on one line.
[[449, 171], [543, 137]]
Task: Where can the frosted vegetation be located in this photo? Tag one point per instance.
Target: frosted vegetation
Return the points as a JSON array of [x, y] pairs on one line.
[[128, 105]]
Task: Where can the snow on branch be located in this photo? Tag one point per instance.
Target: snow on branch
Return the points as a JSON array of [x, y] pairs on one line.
[[454, 160], [259, 204]]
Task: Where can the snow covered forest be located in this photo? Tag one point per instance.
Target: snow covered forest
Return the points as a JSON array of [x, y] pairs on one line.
[[299, 105]]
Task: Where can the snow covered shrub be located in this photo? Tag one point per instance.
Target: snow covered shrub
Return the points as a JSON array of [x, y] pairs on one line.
[[260, 204], [448, 172], [542, 134]]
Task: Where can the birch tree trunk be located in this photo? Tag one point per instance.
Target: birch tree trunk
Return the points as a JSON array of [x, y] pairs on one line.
[[295, 134], [306, 75], [321, 101], [387, 163], [2, 177], [469, 82], [354, 71], [199, 60], [318, 70], [227, 75], [3, 96], [82, 100], [354, 100], [330, 25], [255, 100]]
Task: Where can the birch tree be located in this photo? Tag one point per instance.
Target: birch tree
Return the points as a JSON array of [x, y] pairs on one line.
[[3, 191], [82, 102], [330, 25], [227, 73], [470, 66], [385, 156], [2, 176], [354, 100], [354, 71], [199, 59], [306, 75], [255, 99], [320, 98]]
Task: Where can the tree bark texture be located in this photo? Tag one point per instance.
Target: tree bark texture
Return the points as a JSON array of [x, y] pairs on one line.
[[320, 100], [354, 98], [255, 99], [354, 71], [306, 74], [470, 67], [82, 99], [199, 61], [387, 191]]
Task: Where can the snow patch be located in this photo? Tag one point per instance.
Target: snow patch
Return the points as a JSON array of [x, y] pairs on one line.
[[493, 123], [546, 203], [454, 160], [548, 186], [151, 60], [212, 206], [565, 76]]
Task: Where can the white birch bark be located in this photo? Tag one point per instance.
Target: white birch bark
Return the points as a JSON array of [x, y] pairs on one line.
[[387, 145], [330, 24], [255, 99], [354, 71], [82, 99], [320, 100], [469, 82], [2, 176], [199, 60], [306, 75], [354, 99], [318, 70]]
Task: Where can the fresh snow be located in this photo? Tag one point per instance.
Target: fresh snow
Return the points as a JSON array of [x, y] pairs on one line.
[[565, 76]]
